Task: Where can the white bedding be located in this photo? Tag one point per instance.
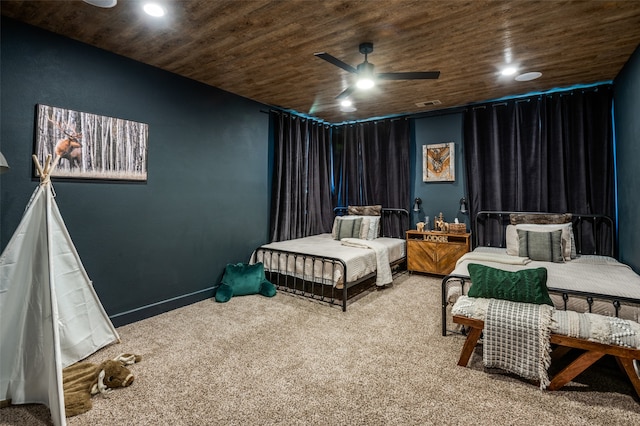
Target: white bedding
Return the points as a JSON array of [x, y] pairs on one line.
[[588, 273], [360, 261]]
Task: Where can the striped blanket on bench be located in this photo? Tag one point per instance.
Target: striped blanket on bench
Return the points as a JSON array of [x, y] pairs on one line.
[[595, 334]]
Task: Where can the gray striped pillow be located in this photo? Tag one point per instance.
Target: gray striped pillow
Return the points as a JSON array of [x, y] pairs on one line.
[[345, 227], [542, 246]]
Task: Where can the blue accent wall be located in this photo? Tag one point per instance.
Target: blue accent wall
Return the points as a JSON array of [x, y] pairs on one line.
[[148, 247], [438, 196], [627, 129]]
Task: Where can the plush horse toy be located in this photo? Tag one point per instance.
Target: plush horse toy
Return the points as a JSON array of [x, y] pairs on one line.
[[84, 379]]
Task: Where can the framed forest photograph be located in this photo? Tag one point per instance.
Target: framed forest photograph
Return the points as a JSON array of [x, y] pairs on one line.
[[438, 162], [90, 146]]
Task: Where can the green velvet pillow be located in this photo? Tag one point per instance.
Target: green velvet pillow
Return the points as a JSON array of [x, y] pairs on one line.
[[242, 279], [526, 285], [542, 246]]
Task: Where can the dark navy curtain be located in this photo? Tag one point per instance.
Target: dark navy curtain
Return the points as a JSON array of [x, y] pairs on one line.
[[301, 202], [371, 165], [545, 153]]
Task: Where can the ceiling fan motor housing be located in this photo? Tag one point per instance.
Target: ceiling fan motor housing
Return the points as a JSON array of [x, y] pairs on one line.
[[366, 48], [365, 69]]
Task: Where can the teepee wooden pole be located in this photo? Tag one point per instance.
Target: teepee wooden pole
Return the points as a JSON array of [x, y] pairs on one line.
[[38, 166]]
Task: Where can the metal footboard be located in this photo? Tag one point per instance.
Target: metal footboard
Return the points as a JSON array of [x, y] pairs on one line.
[[587, 300], [314, 280]]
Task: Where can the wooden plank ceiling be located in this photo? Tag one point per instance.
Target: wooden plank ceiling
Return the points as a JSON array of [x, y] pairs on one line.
[[264, 50]]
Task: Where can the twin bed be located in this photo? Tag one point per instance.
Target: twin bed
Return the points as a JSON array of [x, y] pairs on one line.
[[364, 249], [545, 259], [589, 280]]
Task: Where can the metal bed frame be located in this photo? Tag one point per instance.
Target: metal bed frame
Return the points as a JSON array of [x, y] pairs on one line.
[[307, 287], [594, 234]]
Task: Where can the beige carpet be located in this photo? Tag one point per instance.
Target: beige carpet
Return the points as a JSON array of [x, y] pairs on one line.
[[290, 361]]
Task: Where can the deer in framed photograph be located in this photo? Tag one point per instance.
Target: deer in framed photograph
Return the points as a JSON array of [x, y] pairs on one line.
[[91, 146]]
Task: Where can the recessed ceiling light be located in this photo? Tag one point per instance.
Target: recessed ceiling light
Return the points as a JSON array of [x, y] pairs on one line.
[[154, 9], [346, 103], [528, 76], [102, 3], [509, 71]]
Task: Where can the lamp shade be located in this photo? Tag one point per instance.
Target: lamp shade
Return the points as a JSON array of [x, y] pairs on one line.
[[463, 205], [416, 204], [4, 166]]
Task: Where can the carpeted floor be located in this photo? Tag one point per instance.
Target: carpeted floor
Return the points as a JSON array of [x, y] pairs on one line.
[[290, 361]]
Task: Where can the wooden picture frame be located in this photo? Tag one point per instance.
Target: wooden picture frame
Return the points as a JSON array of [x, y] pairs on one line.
[[90, 146], [438, 162]]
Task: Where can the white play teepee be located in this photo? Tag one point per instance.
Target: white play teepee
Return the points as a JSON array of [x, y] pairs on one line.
[[50, 315]]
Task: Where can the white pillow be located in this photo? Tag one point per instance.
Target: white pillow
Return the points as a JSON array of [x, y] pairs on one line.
[[370, 227], [364, 227], [511, 236], [374, 227]]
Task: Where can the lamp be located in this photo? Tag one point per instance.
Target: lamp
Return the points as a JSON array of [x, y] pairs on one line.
[[4, 166], [463, 205], [416, 204], [365, 76]]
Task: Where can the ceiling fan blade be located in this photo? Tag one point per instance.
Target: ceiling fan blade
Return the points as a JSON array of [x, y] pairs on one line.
[[337, 62], [428, 75], [345, 94]]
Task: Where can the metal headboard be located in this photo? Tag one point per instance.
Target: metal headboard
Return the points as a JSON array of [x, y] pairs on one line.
[[594, 233], [394, 222]]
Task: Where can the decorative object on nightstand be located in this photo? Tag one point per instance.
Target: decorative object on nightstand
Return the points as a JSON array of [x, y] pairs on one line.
[[457, 227], [435, 252], [440, 224]]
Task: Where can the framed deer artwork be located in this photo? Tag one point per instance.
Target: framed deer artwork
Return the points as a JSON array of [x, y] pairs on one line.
[[90, 146], [438, 162]]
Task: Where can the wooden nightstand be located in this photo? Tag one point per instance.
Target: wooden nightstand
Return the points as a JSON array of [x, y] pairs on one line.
[[435, 252]]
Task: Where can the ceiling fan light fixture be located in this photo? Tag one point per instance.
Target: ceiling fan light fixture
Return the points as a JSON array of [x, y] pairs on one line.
[[346, 103], [365, 83], [365, 76]]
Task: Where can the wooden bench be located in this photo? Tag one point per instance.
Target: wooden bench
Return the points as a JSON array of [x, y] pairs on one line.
[[593, 351]]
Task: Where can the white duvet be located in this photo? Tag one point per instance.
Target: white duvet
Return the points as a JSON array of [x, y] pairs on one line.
[[383, 269]]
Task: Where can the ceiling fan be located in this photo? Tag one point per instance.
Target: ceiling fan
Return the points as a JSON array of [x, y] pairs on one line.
[[366, 76]]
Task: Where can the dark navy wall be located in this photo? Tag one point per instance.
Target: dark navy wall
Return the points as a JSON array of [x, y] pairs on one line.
[[151, 246], [627, 128], [438, 196]]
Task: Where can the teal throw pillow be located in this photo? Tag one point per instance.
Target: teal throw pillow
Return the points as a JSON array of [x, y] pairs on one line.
[[542, 246], [242, 279], [526, 285]]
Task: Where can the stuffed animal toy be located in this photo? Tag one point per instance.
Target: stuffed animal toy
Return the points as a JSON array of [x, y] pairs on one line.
[[84, 379], [242, 279]]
